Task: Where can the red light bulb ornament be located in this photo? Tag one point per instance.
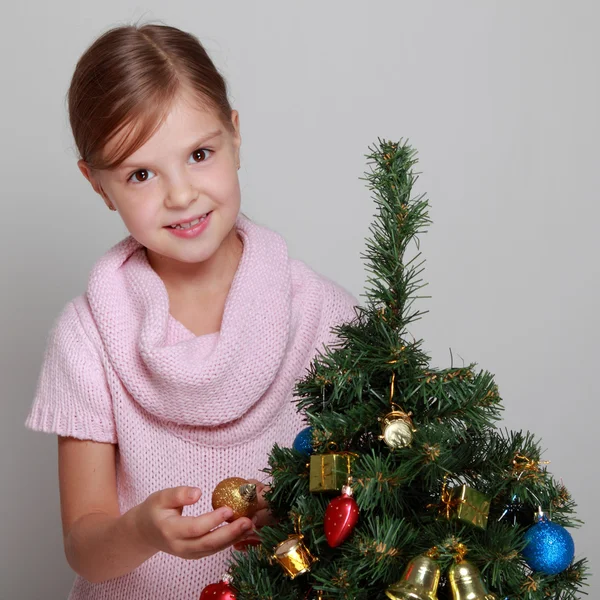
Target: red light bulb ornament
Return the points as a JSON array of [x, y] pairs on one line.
[[341, 517], [219, 591]]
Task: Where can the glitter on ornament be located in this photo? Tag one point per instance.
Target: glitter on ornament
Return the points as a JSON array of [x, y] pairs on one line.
[[304, 442], [237, 493], [550, 548]]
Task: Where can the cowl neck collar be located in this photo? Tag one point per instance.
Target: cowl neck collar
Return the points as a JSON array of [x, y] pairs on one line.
[[205, 380]]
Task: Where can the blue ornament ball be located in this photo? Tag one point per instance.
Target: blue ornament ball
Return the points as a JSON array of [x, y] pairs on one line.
[[303, 442], [550, 547]]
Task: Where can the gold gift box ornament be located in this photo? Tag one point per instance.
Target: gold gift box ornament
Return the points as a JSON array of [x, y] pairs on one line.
[[330, 472], [467, 504]]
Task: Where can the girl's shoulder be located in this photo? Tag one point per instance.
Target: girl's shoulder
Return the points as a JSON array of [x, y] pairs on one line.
[[75, 322], [336, 300], [303, 273], [72, 397]]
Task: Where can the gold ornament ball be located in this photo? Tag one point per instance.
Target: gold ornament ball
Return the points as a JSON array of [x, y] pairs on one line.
[[237, 493]]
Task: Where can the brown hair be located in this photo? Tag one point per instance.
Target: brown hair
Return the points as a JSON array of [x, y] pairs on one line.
[[130, 76]]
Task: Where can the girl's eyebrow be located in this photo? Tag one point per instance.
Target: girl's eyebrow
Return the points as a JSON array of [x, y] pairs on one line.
[[197, 144]]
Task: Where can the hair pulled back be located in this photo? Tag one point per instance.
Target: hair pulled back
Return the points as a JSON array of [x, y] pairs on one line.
[[130, 76]]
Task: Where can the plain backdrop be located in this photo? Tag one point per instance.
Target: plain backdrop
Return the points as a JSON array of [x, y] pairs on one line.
[[499, 98]]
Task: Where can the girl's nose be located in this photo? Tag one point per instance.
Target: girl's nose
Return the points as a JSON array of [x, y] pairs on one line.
[[180, 194]]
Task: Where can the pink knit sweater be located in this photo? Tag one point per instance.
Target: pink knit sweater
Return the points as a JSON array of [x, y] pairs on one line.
[[184, 409]]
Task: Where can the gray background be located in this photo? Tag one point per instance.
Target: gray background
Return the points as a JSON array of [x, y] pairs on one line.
[[500, 99]]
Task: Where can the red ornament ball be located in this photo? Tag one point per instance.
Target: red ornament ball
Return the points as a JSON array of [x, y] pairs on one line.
[[341, 517], [218, 591]]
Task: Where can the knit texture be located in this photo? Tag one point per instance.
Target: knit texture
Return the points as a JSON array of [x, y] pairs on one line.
[[184, 409]]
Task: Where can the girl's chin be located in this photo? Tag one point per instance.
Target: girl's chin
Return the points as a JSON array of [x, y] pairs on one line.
[[189, 258]]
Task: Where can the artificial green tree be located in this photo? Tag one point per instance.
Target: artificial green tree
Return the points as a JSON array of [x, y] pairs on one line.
[[457, 488]]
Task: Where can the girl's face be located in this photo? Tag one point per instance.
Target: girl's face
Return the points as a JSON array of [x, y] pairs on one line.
[[187, 169]]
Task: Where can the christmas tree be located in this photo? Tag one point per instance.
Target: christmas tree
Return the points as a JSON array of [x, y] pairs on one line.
[[402, 486]]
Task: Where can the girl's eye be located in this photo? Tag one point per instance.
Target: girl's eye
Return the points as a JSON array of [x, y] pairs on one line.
[[143, 173], [200, 154]]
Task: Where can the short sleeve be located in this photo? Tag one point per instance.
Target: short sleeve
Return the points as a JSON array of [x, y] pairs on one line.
[[72, 396]]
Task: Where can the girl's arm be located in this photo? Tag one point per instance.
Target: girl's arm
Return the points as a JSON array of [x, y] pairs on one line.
[[102, 544], [99, 542]]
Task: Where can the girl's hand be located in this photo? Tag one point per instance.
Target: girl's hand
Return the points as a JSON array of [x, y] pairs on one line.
[[261, 518], [161, 525]]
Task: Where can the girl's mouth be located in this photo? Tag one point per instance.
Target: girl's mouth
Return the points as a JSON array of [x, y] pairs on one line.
[[190, 224], [192, 228]]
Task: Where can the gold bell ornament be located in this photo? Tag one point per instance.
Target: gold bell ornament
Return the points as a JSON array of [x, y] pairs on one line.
[[419, 581], [466, 583], [237, 493]]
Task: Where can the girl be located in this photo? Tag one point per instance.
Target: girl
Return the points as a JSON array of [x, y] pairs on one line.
[[175, 369]]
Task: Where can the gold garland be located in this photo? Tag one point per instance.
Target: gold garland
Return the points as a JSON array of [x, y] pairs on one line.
[[527, 468]]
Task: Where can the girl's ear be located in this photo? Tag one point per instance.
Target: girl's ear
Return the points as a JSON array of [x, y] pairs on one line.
[[237, 141], [235, 120], [87, 172], [89, 175]]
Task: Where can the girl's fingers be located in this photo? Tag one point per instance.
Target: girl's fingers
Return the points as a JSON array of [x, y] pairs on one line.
[[249, 541], [176, 497], [220, 538], [194, 527]]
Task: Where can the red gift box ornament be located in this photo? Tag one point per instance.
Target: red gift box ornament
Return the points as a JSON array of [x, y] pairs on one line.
[[341, 517], [219, 591]]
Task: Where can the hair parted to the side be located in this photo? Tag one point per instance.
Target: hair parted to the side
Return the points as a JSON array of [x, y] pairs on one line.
[[130, 75]]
